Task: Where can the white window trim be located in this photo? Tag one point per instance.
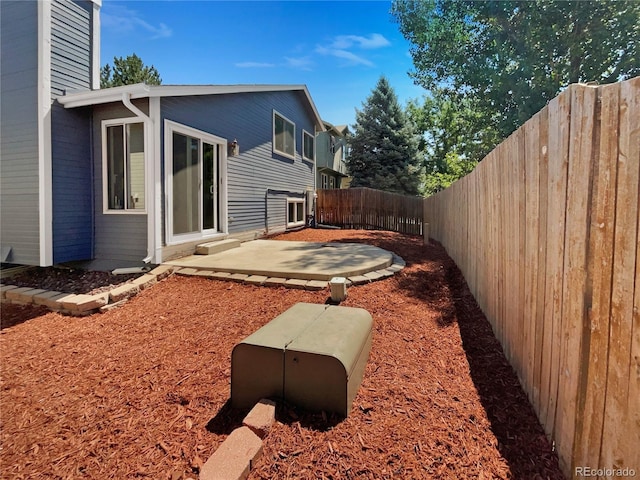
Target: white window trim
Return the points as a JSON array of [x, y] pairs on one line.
[[223, 228], [313, 138], [298, 223], [332, 182], [273, 136], [105, 187]]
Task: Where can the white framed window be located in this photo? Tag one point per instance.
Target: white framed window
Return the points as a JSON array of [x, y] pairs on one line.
[[295, 212], [284, 136], [332, 182], [324, 181], [123, 160], [308, 146]]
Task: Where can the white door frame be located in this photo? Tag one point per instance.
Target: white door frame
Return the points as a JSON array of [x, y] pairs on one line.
[[169, 128]]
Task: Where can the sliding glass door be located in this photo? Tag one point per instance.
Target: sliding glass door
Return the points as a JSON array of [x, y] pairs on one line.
[[195, 193]]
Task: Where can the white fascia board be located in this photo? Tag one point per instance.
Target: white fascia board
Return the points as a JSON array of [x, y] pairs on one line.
[[45, 181], [95, 45]]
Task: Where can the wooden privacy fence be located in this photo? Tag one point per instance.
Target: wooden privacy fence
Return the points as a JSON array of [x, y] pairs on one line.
[[370, 209], [546, 233]]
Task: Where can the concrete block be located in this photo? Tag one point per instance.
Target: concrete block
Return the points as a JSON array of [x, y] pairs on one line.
[[162, 271], [112, 306], [186, 271], [275, 282], [41, 298], [211, 248], [85, 303], [15, 294], [4, 289], [296, 283], [63, 301], [373, 276], [238, 277], [316, 285], [145, 281], [204, 273], [395, 268], [338, 288], [261, 417], [123, 292], [235, 458], [256, 279], [52, 301], [220, 275], [359, 280], [19, 295], [386, 272]]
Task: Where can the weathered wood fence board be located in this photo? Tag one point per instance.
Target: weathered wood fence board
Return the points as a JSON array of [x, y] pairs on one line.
[[370, 209], [546, 230]]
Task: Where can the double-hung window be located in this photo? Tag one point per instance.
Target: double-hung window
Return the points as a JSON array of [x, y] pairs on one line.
[[308, 146], [284, 136], [123, 166]]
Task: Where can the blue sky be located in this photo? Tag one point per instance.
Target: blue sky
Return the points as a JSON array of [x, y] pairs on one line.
[[338, 49]]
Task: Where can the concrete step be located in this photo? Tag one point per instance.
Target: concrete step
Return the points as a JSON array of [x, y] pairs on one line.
[[210, 248]]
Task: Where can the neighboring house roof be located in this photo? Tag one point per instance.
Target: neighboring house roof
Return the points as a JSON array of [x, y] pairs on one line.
[[141, 90], [339, 130]]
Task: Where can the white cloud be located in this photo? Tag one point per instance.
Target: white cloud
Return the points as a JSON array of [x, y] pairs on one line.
[[124, 20], [254, 65], [375, 40], [350, 57], [301, 63]]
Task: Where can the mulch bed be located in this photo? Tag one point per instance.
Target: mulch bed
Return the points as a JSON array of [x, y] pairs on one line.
[[142, 391]]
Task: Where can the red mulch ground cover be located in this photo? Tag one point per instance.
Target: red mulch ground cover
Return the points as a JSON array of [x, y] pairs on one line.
[[142, 391]]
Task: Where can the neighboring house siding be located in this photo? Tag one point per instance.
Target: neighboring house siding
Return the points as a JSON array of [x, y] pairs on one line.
[[19, 207], [248, 118], [71, 56], [72, 177], [117, 236], [70, 46]]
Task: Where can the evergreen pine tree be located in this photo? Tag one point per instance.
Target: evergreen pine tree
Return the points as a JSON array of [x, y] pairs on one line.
[[384, 147]]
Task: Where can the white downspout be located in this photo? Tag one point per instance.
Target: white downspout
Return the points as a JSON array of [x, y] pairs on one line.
[[149, 165]]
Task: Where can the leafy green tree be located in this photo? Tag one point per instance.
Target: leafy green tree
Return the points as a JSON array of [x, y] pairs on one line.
[[454, 137], [127, 71], [512, 57], [384, 147]]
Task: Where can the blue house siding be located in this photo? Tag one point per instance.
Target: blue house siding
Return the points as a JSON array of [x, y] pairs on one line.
[[71, 57], [72, 176], [117, 236], [71, 49], [19, 193], [248, 118]]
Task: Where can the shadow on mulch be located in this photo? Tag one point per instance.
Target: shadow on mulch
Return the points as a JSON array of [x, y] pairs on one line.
[[521, 438], [434, 278], [321, 422], [12, 314], [227, 419]]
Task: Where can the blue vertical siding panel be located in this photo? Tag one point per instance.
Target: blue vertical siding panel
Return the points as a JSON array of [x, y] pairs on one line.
[[72, 189], [247, 118], [71, 55], [19, 201]]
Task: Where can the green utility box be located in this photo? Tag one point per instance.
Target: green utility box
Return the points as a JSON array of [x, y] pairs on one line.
[[312, 356]]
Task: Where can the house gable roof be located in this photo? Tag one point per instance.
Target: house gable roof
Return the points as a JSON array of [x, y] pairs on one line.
[[141, 90]]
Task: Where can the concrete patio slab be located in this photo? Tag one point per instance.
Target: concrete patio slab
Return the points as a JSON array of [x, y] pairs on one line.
[[292, 260]]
